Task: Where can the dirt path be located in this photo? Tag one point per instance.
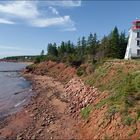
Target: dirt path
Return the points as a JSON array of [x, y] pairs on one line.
[[46, 117]]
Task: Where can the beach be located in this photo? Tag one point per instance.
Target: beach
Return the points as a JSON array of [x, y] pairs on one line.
[[45, 117]]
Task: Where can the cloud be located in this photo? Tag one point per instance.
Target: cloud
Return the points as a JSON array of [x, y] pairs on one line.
[[30, 12], [5, 21], [22, 9], [65, 3], [54, 11], [62, 21]]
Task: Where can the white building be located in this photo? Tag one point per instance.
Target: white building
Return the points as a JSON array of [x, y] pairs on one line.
[[133, 46]]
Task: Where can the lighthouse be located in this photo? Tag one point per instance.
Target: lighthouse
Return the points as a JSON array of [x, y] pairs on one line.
[[133, 46]]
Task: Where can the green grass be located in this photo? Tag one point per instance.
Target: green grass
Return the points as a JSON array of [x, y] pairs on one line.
[[123, 86], [128, 120], [80, 71], [101, 103], [112, 111], [31, 67], [85, 111]]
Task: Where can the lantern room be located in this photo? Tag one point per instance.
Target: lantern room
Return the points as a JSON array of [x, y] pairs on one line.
[[136, 25]]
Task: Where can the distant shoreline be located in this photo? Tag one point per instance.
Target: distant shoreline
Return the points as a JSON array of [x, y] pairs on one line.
[[24, 62]]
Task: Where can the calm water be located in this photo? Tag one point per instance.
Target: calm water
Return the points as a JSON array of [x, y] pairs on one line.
[[15, 91]]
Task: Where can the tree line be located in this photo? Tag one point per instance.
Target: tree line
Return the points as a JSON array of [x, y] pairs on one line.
[[87, 49], [20, 58]]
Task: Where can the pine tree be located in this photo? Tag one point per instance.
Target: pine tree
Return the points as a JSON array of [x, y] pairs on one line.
[[83, 42], [103, 49], [78, 43], [52, 49], [122, 45], [92, 44], [42, 53], [114, 43], [90, 40]]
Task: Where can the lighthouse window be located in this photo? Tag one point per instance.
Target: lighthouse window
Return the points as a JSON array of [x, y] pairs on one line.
[[138, 34], [138, 42], [138, 52]]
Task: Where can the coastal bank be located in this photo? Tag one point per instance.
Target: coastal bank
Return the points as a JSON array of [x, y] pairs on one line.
[[66, 106]]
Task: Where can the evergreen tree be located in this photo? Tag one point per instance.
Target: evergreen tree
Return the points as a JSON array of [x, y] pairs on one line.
[[90, 40], [114, 43], [122, 45], [78, 43], [70, 47], [82, 48], [62, 49], [52, 49], [92, 44], [103, 49], [42, 53], [83, 43]]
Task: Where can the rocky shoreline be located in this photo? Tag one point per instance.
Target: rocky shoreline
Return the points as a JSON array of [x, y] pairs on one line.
[[45, 117]]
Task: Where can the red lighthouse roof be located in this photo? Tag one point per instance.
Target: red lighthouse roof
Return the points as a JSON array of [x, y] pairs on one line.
[[136, 21], [136, 24]]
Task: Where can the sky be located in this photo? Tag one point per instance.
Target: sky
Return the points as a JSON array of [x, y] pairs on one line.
[[26, 27]]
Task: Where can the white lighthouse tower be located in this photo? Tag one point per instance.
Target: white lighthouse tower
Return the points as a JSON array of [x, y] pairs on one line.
[[133, 46]]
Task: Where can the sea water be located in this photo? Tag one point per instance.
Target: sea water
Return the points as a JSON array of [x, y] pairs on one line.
[[15, 91]]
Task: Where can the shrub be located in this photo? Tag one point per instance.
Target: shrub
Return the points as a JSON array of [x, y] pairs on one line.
[[128, 120], [112, 110], [40, 58], [85, 111], [80, 71], [31, 67], [73, 60]]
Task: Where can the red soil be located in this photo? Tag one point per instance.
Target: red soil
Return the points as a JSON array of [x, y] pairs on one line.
[[55, 111]]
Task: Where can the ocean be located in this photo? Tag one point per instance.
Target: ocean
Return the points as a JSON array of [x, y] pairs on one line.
[[15, 91]]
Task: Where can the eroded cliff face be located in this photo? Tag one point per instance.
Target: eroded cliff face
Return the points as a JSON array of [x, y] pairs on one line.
[[97, 115], [59, 71], [95, 122]]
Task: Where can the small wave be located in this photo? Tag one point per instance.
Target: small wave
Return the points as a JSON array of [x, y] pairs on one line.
[[20, 103]]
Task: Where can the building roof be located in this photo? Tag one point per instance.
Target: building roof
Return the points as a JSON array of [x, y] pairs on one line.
[[136, 21]]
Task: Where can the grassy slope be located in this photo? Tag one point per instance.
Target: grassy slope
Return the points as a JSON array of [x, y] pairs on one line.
[[122, 80]]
